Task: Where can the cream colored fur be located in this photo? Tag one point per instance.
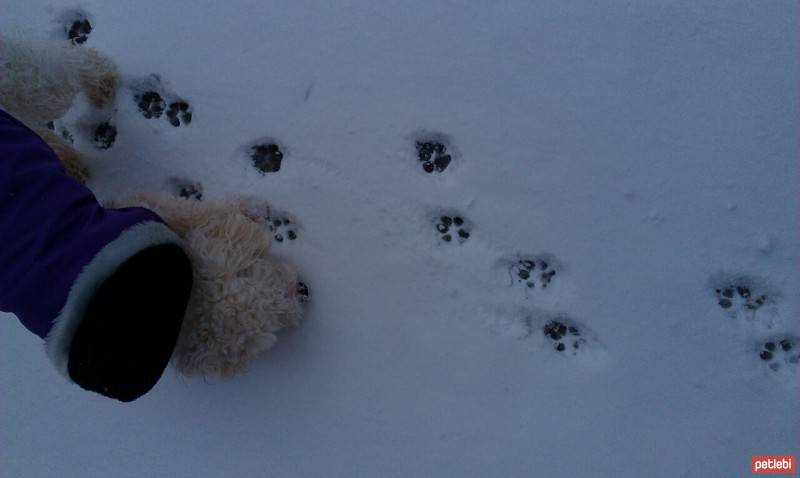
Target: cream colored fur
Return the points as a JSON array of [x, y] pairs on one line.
[[39, 80], [241, 294]]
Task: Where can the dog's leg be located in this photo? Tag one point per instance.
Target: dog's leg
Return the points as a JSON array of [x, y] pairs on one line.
[[69, 157], [99, 78], [39, 80]]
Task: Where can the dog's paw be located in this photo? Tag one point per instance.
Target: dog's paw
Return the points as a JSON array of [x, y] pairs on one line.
[[185, 188], [266, 157], [104, 135], [179, 113], [452, 228], [433, 154]]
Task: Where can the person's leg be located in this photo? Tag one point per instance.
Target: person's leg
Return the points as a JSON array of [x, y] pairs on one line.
[[130, 328]]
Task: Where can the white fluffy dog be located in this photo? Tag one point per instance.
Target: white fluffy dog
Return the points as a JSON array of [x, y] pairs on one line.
[[38, 82], [241, 294]]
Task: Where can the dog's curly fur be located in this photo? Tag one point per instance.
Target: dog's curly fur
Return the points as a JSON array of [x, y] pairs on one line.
[[241, 294], [39, 80]]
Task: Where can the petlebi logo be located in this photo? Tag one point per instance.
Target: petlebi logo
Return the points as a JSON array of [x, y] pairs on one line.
[[773, 464]]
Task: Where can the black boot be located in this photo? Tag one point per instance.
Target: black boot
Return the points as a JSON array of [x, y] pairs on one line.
[[127, 336]]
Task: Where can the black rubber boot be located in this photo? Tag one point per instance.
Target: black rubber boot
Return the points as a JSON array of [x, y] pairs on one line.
[[127, 336]]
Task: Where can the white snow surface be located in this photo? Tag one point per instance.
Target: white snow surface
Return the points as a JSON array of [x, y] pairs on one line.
[[647, 150]]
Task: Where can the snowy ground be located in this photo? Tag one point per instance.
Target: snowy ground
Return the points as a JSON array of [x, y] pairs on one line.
[[647, 151]]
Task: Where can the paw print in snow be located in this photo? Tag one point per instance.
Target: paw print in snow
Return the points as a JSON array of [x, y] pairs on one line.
[[62, 131], [78, 31], [104, 135], [151, 104], [749, 297], [179, 113], [453, 229], [533, 272], [186, 189], [433, 155], [282, 227], [564, 336], [266, 157], [556, 333], [153, 100], [303, 293], [739, 296], [781, 352]]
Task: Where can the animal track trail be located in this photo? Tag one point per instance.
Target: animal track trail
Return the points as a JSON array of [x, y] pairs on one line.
[[435, 152], [535, 275], [452, 228], [96, 128], [282, 226], [266, 157], [739, 297], [780, 353], [303, 292], [61, 130], [745, 297], [73, 24], [179, 113], [185, 188], [151, 104], [78, 32], [565, 336], [105, 135], [554, 333], [155, 100], [433, 155], [533, 272], [754, 303]]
